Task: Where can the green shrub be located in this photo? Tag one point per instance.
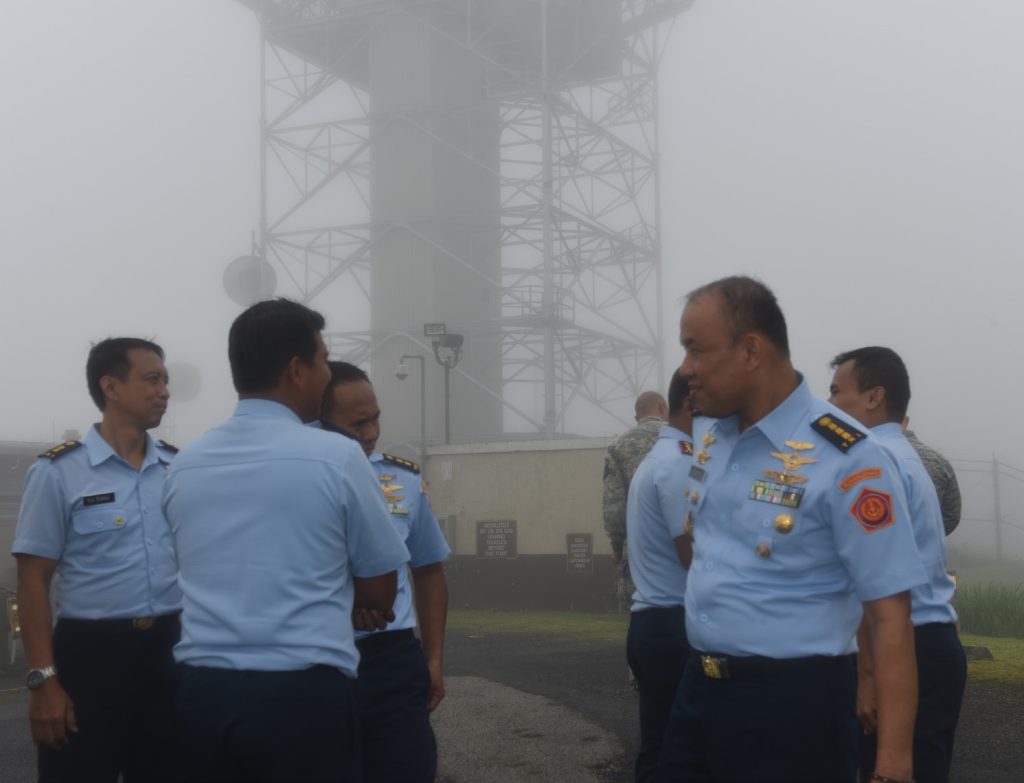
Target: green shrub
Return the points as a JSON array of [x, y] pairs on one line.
[[991, 609]]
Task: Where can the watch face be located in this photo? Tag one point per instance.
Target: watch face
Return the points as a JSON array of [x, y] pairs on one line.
[[35, 679]]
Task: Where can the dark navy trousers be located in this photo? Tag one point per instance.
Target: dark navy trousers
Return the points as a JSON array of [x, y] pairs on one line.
[[391, 693], [121, 679], [771, 722], [941, 677], [272, 726], [657, 651]]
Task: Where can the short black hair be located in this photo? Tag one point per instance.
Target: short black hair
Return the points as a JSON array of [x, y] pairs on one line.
[[341, 372], [750, 306], [678, 391], [877, 366], [265, 337], [110, 357]]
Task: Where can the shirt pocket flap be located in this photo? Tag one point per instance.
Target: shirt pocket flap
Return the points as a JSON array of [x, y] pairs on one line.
[[99, 520]]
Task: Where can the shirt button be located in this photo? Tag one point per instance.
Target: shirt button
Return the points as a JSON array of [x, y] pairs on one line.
[[99, 525], [703, 618], [765, 523], [735, 466], [721, 517], [710, 566]]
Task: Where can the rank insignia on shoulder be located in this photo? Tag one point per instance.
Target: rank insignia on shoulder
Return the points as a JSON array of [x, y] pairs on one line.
[[405, 463], [165, 445], [837, 432], [61, 449], [686, 447]]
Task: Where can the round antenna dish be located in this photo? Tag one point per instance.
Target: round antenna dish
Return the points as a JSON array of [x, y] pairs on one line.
[[186, 381], [249, 279]]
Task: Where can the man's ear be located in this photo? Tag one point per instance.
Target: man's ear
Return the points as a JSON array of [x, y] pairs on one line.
[[875, 398], [108, 385], [752, 345]]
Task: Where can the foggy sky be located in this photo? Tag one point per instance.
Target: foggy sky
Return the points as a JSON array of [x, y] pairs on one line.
[[862, 158]]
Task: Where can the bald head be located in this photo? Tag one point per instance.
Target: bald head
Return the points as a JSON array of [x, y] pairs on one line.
[[650, 403]]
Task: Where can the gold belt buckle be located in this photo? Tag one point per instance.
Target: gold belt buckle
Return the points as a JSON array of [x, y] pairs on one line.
[[142, 623], [715, 668]]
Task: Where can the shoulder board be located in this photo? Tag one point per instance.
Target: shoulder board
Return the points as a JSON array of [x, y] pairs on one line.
[[837, 432], [61, 449], [402, 463], [165, 445]]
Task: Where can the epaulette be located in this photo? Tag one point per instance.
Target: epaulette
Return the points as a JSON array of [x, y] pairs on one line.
[[403, 463], [837, 432], [165, 445], [61, 449]]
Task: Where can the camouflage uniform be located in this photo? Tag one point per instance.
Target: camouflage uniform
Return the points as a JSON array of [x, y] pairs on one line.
[[944, 479], [624, 454]]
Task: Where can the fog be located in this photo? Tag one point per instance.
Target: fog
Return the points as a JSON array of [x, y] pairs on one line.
[[862, 158]]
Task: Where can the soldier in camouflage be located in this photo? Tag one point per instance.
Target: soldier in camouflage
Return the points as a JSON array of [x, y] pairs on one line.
[[624, 454], [943, 477]]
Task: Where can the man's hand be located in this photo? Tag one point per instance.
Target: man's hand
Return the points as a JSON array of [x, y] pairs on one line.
[[867, 704], [51, 715], [371, 619], [436, 692]]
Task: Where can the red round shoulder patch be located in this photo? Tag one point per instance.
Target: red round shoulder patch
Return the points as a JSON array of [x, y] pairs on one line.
[[872, 509]]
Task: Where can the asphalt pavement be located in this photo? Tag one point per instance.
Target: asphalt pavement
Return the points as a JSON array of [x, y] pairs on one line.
[[532, 708]]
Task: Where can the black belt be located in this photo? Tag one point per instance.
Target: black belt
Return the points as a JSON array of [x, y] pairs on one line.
[[727, 667], [134, 623], [381, 640]]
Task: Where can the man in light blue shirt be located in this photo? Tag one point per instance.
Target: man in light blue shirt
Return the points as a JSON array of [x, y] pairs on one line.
[[872, 385], [280, 531], [660, 553], [799, 519], [102, 681], [400, 678]]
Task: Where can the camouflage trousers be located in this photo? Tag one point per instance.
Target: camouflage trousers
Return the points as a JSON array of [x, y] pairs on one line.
[[624, 586]]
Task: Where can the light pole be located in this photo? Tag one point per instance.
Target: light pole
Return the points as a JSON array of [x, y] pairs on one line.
[[447, 351], [402, 372]]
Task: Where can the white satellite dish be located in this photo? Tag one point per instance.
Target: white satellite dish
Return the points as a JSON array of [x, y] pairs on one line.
[[186, 381], [249, 279]]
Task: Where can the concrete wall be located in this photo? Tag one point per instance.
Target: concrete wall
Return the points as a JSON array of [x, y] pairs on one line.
[[551, 489]]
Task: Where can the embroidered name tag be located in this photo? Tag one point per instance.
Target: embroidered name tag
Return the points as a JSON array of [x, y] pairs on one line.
[[776, 494], [95, 500], [697, 473]]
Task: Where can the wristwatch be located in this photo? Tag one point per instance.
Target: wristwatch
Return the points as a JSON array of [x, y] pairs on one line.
[[36, 677]]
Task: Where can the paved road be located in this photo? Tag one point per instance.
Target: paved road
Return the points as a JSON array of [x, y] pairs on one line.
[[530, 708]]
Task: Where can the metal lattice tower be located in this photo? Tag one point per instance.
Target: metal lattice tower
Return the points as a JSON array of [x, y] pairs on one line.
[[503, 159]]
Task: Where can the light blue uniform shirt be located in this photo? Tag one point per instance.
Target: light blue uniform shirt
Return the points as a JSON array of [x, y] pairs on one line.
[[409, 508], [100, 518], [272, 519], [655, 511], [932, 601], [782, 564]]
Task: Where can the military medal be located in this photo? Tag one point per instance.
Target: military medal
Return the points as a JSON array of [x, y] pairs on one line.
[[785, 478], [799, 445], [707, 440], [784, 523], [386, 477], [702, 457], [793, 461]]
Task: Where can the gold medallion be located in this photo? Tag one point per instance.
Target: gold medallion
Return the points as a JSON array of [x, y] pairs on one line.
[[763, 550], [784, 523], [707, 440], [702, 457]]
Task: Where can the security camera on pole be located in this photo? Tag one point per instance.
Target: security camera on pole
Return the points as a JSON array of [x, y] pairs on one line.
[[447, 351]]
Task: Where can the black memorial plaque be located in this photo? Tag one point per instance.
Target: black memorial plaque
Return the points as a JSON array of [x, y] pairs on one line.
[[496, 539], [579, 553]]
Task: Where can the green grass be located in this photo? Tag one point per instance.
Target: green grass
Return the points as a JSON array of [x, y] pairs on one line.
[[991, 609], [1008, 666], [594, 626]]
